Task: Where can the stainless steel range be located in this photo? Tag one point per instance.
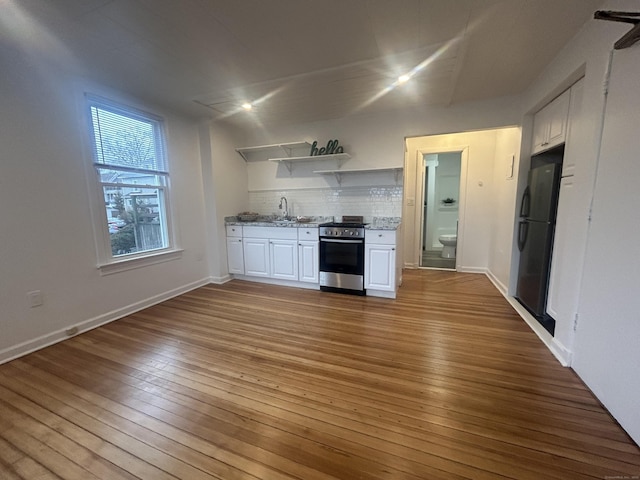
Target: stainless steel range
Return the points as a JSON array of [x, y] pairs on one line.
[[342, 256]]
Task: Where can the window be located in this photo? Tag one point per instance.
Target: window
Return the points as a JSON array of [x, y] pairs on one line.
[[130, 165]]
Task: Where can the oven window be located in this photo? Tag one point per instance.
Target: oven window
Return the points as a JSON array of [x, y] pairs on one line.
[[342, 257]]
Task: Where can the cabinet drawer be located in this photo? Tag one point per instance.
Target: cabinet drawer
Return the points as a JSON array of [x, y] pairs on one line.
[[308, 233], [382, 237], [234, 231], [276, 233]]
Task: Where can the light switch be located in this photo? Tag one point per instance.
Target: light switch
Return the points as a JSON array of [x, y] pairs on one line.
[[411, 201], [510, 163], [35, 298]]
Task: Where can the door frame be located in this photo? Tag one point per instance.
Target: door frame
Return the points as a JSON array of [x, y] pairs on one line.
[[420, 191]]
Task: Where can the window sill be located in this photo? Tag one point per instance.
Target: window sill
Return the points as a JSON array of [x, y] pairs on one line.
[[122, 265]]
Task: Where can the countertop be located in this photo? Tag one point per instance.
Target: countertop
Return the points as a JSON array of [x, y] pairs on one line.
[[270, 221], [377, 223]]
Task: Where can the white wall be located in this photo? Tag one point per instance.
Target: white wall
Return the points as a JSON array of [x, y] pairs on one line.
[[378, 141], [605, 346], [46, 238], [608, 336], [225, 182], [505, 188]]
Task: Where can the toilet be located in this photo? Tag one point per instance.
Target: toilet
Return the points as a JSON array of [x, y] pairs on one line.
[[449, 242]]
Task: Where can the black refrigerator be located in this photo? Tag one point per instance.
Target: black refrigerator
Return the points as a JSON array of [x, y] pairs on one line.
[[535, 240]]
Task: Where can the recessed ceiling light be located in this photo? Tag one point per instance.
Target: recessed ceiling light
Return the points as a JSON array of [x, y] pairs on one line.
[[247, 106], [403, 78]]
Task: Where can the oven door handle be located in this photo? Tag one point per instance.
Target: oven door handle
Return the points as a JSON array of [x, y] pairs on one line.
[[335, 240]]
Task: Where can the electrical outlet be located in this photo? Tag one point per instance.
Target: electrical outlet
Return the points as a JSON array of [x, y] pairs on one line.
[[35, 298]]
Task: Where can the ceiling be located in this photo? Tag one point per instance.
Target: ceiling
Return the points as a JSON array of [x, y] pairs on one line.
[[299, 60]]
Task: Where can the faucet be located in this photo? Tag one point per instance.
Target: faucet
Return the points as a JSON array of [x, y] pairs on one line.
[[285, 214]]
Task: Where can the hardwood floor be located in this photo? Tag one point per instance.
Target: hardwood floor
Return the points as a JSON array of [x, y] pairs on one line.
[[250, 381]]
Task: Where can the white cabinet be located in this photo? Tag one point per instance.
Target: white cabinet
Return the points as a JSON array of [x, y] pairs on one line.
[[256, 256], [283, 259], [550, 124], [308, 255], [379, 268], [574, 146], [235, 255], [570, 229], [308, 261], [234, 231], [279, 253], [380, 263], [563, 292]]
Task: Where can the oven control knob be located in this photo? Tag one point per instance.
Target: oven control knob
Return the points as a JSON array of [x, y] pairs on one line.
[[351, 233]]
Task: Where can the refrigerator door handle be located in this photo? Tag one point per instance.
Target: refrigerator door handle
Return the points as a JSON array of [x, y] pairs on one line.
[[526, 202], [523, 232]]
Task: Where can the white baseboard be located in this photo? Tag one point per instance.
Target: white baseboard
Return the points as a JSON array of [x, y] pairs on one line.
[[565, 353], [221, 280], [275, 281], [497, 283], [562, 354], [48, 339], [557, 349], [464, 269]]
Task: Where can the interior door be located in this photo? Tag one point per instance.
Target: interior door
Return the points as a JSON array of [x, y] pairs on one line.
[[606, 353]]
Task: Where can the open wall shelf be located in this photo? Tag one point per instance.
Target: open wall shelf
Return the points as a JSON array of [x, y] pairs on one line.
[[290, 161], [276, 148], [338, 173]]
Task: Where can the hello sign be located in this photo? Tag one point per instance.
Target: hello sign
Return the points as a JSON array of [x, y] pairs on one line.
[[331, 148]]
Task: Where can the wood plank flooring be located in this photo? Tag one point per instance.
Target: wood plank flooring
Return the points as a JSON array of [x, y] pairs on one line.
[[250, 381]]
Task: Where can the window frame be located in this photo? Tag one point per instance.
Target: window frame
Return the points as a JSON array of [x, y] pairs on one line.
[[108, 263]]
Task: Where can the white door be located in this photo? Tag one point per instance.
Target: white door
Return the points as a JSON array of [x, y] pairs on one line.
[[563, 281], [284, 259], [235, 255], [380, 267], [308, 262], [256, 256], [607, 340]]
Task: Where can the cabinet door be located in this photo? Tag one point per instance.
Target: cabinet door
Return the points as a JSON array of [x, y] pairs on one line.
[[256, 256], [550, 124], [562, 299], [308, 262], [558, 120], [284, 259], [574, 145], [235, 255], [540, 131], [380, 267]]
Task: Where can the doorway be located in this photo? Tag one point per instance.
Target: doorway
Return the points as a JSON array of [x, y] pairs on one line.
[[440, 200]]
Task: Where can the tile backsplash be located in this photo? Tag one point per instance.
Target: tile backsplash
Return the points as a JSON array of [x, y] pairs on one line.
[[381, 201]]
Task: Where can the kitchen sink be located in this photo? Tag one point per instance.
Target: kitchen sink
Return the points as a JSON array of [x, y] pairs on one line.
[[284, 222]]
